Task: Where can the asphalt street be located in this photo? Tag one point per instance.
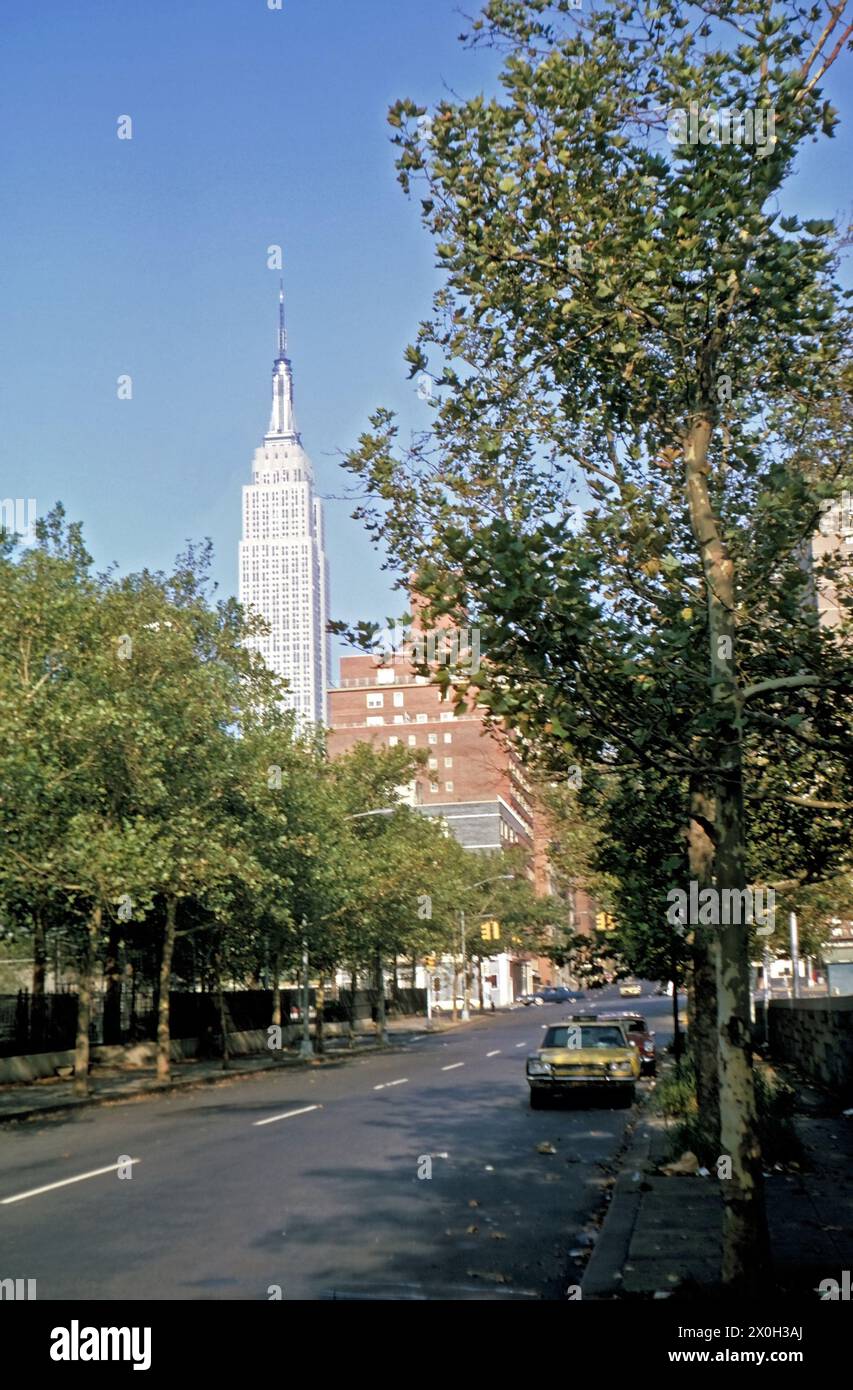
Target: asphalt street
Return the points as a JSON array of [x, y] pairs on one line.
[[316, 1181]]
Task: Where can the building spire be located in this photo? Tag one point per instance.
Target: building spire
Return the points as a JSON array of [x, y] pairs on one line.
[[282, 419], [282, 331]]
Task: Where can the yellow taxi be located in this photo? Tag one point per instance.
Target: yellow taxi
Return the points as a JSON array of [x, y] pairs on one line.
[[583, 1052]]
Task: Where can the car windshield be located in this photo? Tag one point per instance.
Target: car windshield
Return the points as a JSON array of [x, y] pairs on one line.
[[636, 1025], [572, 1036]]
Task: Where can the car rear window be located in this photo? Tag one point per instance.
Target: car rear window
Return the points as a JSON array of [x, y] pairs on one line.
[[567, 1036]]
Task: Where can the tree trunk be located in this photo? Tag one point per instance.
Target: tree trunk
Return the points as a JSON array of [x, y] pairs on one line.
[[38, 1020], [380, 1001], [112, 985], [480, 983], [414, 972], [276, 992], [703, 1022], [745, 1241], [319, 1006], [353, 992], [84, 1002], [163, 1034], [745, 1238], [220, 1006]]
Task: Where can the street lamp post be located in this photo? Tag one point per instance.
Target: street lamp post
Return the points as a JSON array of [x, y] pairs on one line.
[[466, 1013]]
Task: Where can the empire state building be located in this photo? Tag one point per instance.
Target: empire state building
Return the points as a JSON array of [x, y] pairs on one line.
[[284, 574]]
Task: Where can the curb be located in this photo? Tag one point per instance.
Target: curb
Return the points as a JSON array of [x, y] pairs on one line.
[[602, 1277]]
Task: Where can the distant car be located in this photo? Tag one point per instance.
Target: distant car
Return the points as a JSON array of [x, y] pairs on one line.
[[528, 999], [640, 1037], [583, 1052], [629, 989], [554, 994], [445, 1006]]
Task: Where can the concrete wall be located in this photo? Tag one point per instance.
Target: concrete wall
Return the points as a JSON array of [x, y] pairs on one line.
[[817, 1036], [143, 1054]]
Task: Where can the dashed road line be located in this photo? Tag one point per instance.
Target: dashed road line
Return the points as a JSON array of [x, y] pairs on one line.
[[496, 1053], [66, 1182], [453, 1066], [383, 1085], [288, 1115]]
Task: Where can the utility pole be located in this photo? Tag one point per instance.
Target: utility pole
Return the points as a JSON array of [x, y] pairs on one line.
[[795, 956]]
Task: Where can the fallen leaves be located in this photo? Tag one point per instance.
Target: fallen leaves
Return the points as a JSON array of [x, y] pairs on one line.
[[685, 1166]]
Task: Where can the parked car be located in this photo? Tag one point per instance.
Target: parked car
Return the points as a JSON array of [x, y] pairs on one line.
[[640, 1037], [583, 1053], [629, 989], [528, 999], [445, 1006]]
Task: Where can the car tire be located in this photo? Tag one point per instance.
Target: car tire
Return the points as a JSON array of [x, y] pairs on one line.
[[626, 1099], [538, 1100]]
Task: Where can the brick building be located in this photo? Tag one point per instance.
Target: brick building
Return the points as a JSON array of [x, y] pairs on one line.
[[473, 779]]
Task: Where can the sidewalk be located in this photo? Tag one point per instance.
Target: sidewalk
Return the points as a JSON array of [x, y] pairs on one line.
[[661, 1234], [23, 1101]]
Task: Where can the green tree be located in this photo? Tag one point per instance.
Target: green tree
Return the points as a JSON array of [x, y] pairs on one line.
[[632, 332]]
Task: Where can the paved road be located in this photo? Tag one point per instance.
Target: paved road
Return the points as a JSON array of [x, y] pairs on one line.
[[309, 1180]]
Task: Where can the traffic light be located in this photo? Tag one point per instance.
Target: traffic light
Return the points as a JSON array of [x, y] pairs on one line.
[[605, 921], [490, 931], [429, 962]]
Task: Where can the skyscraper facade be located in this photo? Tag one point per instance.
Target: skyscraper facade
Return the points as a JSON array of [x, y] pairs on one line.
[[284, 573]]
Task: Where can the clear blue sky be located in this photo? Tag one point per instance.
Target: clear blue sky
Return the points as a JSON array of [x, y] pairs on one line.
[[148, 256]]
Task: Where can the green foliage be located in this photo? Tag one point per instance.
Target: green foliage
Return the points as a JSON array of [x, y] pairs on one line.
[[675, 1098], [146, 760], [613, 307]]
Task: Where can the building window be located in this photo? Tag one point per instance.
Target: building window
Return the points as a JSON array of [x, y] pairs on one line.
[[422, 718], [445, 716], [448, 786], [412, 740], [433, 762], [432, 738], [374, 719], [433, 786], [392, 742], [448, 738], [399, 699], [375, 701], [448, 762]]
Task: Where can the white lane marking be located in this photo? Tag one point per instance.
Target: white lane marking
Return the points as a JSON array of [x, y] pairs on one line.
[[493, 1054], [65, 1182], [453, 1066], [288, 1114], [383, 1085], [521, 1044]]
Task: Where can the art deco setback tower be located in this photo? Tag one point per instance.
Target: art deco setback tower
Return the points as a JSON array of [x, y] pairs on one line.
[[283, 567]]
